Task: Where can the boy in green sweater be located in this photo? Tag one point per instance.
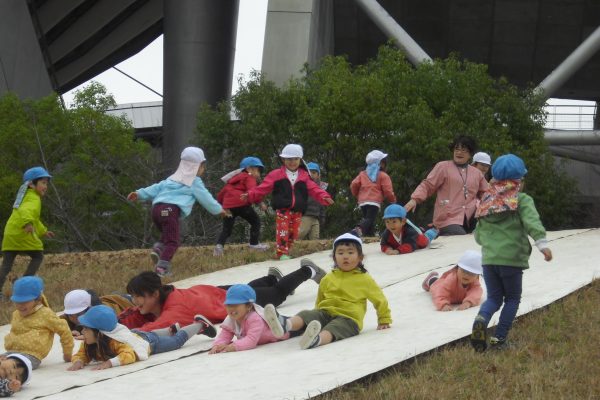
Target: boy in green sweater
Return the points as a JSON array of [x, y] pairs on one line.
[[506, 217]]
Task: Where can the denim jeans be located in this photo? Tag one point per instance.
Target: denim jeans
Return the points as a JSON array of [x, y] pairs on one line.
[[162, 344], [504, 285]]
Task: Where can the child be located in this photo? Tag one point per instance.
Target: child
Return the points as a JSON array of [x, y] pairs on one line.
[[291, 186], [398, 238], [24, 230], [341, 301], [506, 217], [314, 216], [482, 161], [238, 182], [34, 324], [173, 198], [244, 321], [15, 371], [370, 187], [112, 343], [460, 285]]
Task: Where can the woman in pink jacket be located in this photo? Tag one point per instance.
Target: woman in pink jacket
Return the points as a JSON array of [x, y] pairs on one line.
[[457, 186], [244, 321]]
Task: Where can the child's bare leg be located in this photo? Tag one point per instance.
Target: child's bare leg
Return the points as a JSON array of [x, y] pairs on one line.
[[295, 323], [325, 337]]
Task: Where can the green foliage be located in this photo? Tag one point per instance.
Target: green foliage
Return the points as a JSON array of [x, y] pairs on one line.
[[94, 161], [339, 112]]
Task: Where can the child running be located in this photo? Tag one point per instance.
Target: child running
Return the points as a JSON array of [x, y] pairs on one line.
[[24, 231], [34, 324], [105, 340], [341, 301], [506, 217], [291, 186], [238, 182], [173, 199], [245, 321], [15, 371], [370, 187], [460, 285], [400, 237]]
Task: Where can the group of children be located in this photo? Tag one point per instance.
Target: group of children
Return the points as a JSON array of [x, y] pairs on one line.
[[506, 217]]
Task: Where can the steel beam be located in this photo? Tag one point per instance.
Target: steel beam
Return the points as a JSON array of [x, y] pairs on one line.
[[583, 156], [562, 137]]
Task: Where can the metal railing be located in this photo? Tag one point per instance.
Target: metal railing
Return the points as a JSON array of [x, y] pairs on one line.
[[570, 117]]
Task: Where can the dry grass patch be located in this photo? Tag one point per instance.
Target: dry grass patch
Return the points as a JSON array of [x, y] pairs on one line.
[[555, 356]]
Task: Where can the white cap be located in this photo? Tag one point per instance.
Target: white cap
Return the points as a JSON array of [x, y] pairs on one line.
[[348, 236], [375, 156], [483, 158], [292, 151], [471, 261], [27, 363], [76, 301], [193, 154]]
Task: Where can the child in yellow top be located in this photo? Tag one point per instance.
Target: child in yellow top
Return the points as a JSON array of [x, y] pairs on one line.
[[341, 302], [34, 324]]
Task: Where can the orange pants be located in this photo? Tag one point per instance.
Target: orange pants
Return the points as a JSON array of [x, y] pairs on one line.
[[287, 224]]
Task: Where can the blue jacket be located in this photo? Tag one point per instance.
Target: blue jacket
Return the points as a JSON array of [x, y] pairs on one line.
[[171, 192]]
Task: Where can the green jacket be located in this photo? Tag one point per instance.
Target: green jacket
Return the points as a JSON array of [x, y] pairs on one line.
[[503, 236], [15, 238], [346, 294]]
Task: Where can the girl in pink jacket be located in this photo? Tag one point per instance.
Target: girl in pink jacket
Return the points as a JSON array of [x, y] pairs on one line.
[[460, 285], [244, 321]]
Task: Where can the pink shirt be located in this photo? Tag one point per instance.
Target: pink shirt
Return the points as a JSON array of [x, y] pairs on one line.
[[448, 290], [447, 181], [252, 331], [367, 191]]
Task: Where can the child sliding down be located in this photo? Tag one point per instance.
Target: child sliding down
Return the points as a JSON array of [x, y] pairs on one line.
[[341, 301]]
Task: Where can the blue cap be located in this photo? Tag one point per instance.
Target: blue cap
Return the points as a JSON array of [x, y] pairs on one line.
[[99, 317], [251, 162], [508, 166], [27, 288], [313, 166], [240, 294], [394, 211], [36, 173]]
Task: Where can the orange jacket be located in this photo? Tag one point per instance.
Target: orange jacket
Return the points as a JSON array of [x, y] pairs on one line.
[[365, 190]]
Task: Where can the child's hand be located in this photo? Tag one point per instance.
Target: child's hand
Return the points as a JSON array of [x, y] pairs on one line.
[[329, 200], [410, 206], [244, 196], [547, 254], [464, 306], [104, 365], [28, 228], [447, 307], [14, 385], [220, 348], [49, 234], [133, 196], [229, 348], [226, 214], [383, 326], [76, 366], [263, 206], [77, 335], [67, 357], [392, 252]]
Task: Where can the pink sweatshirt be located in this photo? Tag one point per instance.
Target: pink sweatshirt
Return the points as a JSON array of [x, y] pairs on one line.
[[367, 191], [250, 333], [446, 180], [448, 290]]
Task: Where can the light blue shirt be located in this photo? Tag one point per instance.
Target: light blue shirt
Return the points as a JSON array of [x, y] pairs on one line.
[[171, 192]]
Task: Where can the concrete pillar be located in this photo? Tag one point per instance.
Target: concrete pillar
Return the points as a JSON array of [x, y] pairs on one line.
[[199, 50]]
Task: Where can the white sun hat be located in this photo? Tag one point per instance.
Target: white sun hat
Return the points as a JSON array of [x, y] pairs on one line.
[[76, 301], [292, 151], [471, 261], [191, 158], [483, 158], [375, 156]]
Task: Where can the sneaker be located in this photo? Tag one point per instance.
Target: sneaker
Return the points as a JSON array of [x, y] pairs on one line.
[[284, 257], [319, 272], [163, 268], [274, 271], [310, 337], [499, 343], [426, 285], [479, 334], [259, 247], [218, 251], [209, 329], [276, 321], [157, 250]]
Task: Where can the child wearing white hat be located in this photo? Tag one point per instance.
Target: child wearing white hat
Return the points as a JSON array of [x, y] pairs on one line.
[[482, 161], [291, 186], [172, 199], [370, 188], [460, 285]]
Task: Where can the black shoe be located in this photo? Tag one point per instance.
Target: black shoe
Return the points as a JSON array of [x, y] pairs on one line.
[[479, 334], [209, 329], [499, 344]]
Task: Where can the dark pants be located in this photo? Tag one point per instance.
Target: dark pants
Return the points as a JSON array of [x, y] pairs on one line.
[[166, 219], [504, 285], [8, 259], [247, 213], [270, 291], [367, 223], [468, 226]]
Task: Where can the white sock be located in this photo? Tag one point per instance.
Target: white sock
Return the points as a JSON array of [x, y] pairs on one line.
[[288, 324]]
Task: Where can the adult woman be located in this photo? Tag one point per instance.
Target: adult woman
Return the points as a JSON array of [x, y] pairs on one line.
[[457, 186]]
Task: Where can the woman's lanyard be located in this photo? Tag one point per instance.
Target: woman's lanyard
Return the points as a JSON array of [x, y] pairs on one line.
[[464, 180]]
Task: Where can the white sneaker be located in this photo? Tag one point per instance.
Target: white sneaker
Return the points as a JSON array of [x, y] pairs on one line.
[[259, 247], [310, 337], [218, 251]]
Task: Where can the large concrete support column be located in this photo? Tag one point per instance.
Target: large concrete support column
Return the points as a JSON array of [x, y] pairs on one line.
[[199, 50]]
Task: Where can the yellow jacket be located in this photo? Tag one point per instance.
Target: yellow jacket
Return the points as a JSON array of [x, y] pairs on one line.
[[15, 238], [34, 334], [124, 354], [346, 294]]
